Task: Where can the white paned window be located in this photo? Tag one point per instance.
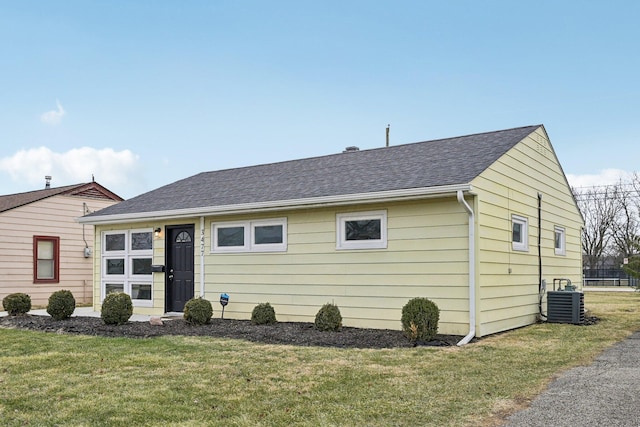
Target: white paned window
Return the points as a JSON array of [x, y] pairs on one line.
[[361, 230], [126, 261], [519, 233], [559, 240], [250, 236]]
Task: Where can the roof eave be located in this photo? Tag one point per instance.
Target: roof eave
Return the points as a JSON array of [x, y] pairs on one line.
[[279, 205]]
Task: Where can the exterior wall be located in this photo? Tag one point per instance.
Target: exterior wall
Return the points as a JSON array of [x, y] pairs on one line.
[[508, 279], [54, 216], [158, 287], [426, 256]]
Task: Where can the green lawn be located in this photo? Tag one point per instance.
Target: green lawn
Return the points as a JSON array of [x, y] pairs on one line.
[[48, 379]]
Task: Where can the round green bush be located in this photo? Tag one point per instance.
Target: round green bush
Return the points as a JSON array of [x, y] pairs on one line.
[[198, 311], [263, 314], [328, 318], [61, 304], [17, 304], [420, 318], [116, 308]]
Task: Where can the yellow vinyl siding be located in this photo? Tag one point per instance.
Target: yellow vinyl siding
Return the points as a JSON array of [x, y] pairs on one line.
[[53, 216], [508, 279], [370, 286], [426, 256]]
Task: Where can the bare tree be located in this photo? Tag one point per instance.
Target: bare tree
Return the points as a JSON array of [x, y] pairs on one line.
[[626, 227], [599, 208]]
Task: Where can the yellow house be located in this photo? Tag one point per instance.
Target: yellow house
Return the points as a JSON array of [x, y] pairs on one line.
[[475, 223], [42, 247]]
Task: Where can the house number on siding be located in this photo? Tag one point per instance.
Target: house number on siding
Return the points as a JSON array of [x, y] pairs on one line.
[[202, 241]]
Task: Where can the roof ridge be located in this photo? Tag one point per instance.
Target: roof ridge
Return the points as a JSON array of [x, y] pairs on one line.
[[358, 151], [51, 189]]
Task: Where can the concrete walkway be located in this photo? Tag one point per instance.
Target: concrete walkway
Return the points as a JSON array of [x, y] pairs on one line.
[[85, 312], [605, 393]]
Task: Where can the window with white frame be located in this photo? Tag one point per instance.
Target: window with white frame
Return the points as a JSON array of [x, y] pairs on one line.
[[126, 261], [361, 230], [519, 233], [559, 240], [268, 235]]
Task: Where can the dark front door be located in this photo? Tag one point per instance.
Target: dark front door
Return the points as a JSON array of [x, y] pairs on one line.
[[179, 269]]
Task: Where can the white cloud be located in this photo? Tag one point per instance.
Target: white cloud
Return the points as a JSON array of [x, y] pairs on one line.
[[53, 117], [111, 168], [604, 177]]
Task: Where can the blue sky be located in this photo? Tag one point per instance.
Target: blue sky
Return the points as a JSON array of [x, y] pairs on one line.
[[143, 93]]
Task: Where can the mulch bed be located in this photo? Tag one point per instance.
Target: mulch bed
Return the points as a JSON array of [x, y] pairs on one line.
[[289, 333]]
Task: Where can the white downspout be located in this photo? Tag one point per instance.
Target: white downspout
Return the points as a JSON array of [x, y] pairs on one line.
[[472, 271], [202, 256]]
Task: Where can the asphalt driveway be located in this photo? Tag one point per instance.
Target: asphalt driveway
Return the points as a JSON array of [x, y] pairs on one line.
[[603, 394]]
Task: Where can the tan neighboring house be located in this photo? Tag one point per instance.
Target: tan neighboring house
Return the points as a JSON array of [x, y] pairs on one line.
[[476, 223], [42, 246]]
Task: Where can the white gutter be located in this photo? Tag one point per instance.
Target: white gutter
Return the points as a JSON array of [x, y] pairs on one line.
[[280, 205], [202, 256], [472, 271]]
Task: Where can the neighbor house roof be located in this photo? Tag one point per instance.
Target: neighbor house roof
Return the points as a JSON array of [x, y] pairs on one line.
[[91, 190], [435, 165]]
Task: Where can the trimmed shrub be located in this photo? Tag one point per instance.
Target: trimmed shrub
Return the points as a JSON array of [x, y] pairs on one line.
[[17, 304], [116, 308], [263, 314], [420, 318], [61, 304], [328, 318], [198, 311]]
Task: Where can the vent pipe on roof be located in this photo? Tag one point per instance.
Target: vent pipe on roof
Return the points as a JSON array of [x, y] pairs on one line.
[[388, 126], [351, 149], [47, 180]]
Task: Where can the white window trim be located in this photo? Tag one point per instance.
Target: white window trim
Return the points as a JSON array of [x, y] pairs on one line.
[[343, 244], [249, 236], [562, 250], [269, 247], [523, 245], [214, 237], [128, 278]]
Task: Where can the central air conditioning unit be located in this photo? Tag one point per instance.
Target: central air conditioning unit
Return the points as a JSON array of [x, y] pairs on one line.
[[565, 305]]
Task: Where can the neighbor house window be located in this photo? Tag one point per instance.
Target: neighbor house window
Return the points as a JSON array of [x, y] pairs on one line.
[[46, 259], [559, 240], [250, 236], [361, 230], [519, 233], [126, 261]]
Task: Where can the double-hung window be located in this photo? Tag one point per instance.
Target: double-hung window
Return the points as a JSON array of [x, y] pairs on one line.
[[559, 240], [127, 256], [250, 236], [519, 233], [46, 259], [361, 230]]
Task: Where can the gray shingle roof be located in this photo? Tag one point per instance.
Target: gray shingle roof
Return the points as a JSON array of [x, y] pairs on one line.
[[440, 162]]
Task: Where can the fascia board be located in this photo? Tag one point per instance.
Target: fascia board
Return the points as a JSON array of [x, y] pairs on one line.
[[279, 205]]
